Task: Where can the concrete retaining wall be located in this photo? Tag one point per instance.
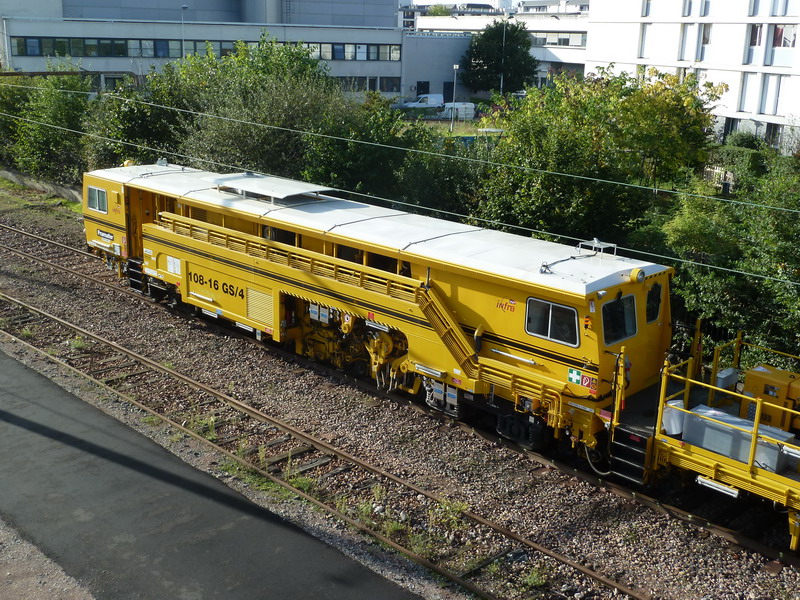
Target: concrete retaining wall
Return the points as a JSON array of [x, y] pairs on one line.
[[61, 191]]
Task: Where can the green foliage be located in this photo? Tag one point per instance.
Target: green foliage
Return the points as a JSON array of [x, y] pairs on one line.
[[14, 95], [44, 143], [744, 139], [78, 343], [501, 47], [740, 160], [602, 129], [439, 10], [435, 177], [755, 239], [351, 150], [447, 514], [536, 577]]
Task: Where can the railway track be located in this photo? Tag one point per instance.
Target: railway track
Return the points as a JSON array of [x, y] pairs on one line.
[[394, 511], [299, 460]]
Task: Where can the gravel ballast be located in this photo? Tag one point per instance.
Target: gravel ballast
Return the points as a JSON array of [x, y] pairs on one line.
[[624, 540]]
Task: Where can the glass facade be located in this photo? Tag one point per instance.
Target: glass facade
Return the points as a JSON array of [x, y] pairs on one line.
[[136, 48]]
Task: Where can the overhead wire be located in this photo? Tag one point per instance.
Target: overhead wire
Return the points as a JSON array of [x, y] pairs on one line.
[[466, 159], [401, 203]]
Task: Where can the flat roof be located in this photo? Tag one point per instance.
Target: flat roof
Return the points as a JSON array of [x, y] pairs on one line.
[[580, 270]]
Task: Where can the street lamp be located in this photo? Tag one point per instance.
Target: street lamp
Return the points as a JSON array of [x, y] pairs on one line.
[[503, 52], [453, 107], [183, 38]]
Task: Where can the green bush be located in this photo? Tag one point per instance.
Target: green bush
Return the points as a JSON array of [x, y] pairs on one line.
[[740, 160], [743, 139]]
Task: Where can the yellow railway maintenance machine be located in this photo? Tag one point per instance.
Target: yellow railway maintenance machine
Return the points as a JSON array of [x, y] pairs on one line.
[[528, 330], [738, 433], [548, 338]]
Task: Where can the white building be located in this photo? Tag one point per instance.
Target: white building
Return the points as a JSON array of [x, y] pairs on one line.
[[749, 45], [558, 34], [109, 36]]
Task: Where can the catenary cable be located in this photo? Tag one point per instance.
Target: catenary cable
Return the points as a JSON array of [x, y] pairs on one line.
[[381, 199], [426, 152]]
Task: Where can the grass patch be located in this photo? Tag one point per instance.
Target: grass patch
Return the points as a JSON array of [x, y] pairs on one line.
[[447, 514], [536, 578], [421, 544], [152, 420], [307, 485], [26, 333], [7, 184], [78, 343]]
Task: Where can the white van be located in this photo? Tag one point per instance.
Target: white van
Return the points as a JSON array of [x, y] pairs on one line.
[[460, 111]]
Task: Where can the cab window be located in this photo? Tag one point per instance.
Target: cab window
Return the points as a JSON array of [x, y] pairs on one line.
[[552, 321], [97, 199], [619, 319], [653, 308]]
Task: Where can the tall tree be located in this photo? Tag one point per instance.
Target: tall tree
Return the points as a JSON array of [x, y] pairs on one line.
[[499, 58], [48, 140], [569, 141]]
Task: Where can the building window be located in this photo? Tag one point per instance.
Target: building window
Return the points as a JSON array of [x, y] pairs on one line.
[[772, 101], [353, 84], [96, 199], [784, 36], [643, 53], [731, 125], [755, 35], [349, 51], [773, 135], [688, 41], [338, 51], [538, 38], [645, 8], [326, 51], [552, 321], [754, 42], [148, 48], [390, 84], [784, 39], [748, 98], [705, 40], [755, 6], [687, 8], [361, 52], [372, 52], [32, 47], [705, 7], [785, 8]]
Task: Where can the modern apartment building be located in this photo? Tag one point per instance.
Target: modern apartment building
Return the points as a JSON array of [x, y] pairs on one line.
[[748, 45], [116, 37]]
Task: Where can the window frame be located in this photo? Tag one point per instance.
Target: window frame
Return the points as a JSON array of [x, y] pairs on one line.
[[635, 320], [549, 337], [96, 207], [650, 300]]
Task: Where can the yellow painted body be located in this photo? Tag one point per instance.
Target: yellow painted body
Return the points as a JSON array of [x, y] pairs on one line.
[[220, 260], [743, 472]]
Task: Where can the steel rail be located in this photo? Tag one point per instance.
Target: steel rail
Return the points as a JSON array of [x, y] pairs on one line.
[[322, 445], [48, 241], [620, 490]]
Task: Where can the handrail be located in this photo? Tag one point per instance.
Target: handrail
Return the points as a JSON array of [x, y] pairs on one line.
[[486, 370], [276, 252], [755, 434]]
